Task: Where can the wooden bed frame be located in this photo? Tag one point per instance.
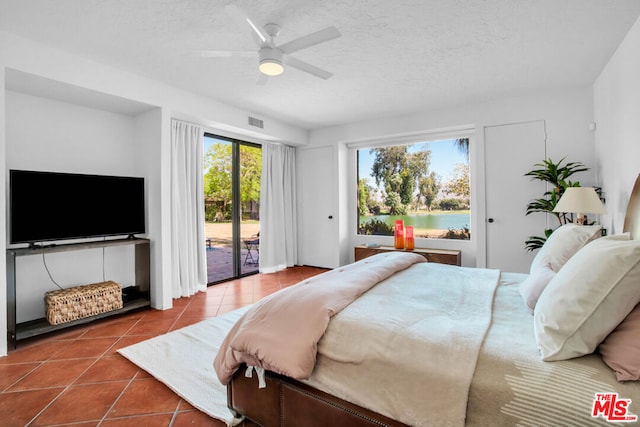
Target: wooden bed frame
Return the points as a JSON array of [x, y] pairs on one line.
[[287, 402]]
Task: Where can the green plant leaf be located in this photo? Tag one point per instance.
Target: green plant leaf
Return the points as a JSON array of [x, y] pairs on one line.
[[557, 175]]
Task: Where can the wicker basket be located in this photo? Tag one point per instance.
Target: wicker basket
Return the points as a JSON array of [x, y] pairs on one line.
[[79, 302]]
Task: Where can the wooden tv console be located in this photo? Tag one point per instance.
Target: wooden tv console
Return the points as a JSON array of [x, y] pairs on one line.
[[18, 331]]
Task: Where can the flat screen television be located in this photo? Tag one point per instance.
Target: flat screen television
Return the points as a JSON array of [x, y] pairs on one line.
[[47, 206]]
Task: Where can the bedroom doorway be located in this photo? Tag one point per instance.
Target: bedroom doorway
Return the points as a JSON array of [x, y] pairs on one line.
[[232, 171]]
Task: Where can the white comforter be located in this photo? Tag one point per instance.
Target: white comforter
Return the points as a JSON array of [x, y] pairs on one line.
[[511, 385], [408, 347]]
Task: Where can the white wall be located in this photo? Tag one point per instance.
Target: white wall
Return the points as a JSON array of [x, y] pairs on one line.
[[616, 95], [45, 134], [3, 219], [148, 154], [151, 132], [567, 114], [49, 135]]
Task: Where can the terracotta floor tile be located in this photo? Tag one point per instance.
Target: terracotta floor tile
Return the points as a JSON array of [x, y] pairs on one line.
[[152, 327], [9, 374], [153, 315], [126, 341], [188, 320], [142, 374], [54, 373], [186, 406], [267, 279], [111, 329], [179, 303], [108, 389], [81, 403], [17, 409], [111, 368], [225, 308], [34, 353], [216, 290], [207, 309], [83, 348], [68, 334], [195, 418], [140, 421], [156, 396], [238, 299]]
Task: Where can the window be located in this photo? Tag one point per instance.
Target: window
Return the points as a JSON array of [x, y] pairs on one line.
[[426, 184]]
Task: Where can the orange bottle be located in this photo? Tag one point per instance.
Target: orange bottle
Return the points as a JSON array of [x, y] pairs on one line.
[[409, 242], [398, 233]]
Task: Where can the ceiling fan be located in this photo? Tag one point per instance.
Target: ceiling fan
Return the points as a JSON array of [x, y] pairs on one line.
[[272, 57]]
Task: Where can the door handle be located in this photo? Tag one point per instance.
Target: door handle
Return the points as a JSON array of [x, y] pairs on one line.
[[490, 220]]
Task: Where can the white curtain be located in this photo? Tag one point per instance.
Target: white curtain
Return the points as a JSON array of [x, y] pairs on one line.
[[278, 227], [188, 253]]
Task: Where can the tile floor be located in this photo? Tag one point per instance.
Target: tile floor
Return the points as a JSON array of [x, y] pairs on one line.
[[76, 378]]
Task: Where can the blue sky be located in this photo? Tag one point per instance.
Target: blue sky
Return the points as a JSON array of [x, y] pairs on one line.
[[444, 156], [208, 142]]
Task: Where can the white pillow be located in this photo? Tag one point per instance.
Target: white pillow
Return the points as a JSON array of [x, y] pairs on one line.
[[531, 288], [563, 243], [588, 298], [625, 236]]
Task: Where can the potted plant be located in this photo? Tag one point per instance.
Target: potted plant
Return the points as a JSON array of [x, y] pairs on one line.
[[557, 176]]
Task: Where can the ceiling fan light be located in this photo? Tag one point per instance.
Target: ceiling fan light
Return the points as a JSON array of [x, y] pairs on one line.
[[271, 61], [271, 68]]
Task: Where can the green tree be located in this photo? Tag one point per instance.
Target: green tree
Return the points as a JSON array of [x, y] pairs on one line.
[[460, 184], [250, 173], [428, 188], [396, 207], [218, 178], [363, 197], [462, 144], [399, 171]]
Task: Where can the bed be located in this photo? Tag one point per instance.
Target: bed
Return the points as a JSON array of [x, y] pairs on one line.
[[431, 344]]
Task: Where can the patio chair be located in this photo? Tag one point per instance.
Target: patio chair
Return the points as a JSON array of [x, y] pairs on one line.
[[252, 244]]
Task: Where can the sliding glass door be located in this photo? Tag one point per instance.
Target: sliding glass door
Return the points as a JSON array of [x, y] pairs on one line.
[[232, 171]]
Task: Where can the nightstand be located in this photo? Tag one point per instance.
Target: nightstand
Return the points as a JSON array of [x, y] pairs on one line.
[[442, 256]]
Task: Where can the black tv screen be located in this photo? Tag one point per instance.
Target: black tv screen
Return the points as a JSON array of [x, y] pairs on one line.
[[46, 206]]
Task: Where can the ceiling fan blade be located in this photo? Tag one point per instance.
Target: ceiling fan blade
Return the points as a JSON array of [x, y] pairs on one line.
[[306, 67], [243, 19], [309, 40], [228, 54]]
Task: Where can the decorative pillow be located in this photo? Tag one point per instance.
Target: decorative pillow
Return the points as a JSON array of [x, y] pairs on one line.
[[534, 284], [621, 349], [563, 243], [588, 298]]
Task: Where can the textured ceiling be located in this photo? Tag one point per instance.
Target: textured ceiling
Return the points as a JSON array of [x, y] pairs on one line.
[[394, 57]]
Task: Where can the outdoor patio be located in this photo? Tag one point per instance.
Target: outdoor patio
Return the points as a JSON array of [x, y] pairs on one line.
[[219, 253], [220, 259]]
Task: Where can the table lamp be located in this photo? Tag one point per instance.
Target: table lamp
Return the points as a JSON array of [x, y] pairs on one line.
[[580, 200]]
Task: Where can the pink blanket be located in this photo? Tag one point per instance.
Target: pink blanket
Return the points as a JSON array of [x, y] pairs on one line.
[[280, 333]]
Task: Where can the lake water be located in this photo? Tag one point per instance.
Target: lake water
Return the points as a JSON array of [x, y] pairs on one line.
[[431, 221]]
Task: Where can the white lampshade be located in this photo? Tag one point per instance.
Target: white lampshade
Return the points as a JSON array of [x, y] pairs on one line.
[[580, 200]]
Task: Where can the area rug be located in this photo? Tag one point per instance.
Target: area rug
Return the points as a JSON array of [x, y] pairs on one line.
[[183, 361]]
